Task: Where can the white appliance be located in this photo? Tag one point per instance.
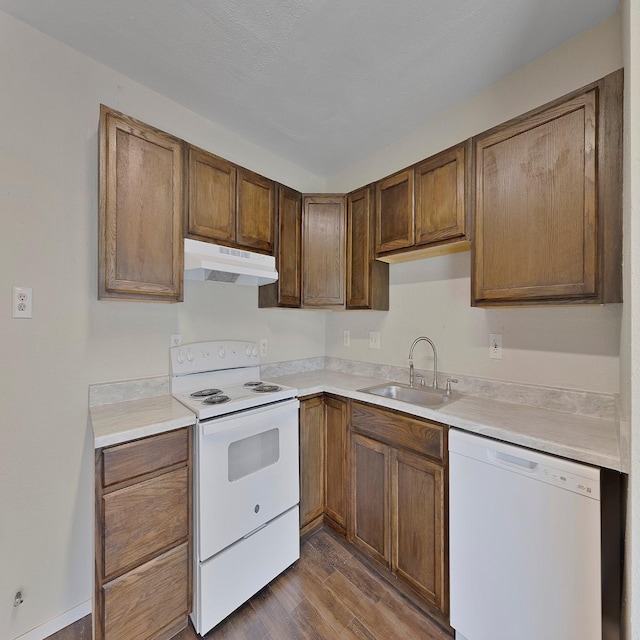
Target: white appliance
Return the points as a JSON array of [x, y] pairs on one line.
[[246, 476], [208, 261], [525, 543]]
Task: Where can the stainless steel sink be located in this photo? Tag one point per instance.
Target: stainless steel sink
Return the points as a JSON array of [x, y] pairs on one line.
[[423, 396]]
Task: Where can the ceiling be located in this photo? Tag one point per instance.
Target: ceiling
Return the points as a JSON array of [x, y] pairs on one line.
[[323, 83]]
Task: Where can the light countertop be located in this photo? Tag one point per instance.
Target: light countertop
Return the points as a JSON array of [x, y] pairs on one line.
[[124, 421], [584, 439]]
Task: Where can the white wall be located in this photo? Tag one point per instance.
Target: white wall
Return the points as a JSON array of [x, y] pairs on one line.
[[49, 110], [573, 347]]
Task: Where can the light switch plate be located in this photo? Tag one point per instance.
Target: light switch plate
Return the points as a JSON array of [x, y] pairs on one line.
[[495, 346], [374, 340]]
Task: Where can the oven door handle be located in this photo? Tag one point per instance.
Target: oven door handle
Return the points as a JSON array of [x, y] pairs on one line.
[[224, 424]]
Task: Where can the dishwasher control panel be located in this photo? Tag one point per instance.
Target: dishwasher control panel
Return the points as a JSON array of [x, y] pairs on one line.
[[570, 481]]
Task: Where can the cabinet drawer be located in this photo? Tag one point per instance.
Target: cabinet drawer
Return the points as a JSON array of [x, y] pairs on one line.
[[399, 429], [144, 519], [133, 459], [153, 597]]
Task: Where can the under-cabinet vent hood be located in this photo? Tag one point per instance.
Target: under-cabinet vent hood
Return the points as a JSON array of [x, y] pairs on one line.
[[205, 261]]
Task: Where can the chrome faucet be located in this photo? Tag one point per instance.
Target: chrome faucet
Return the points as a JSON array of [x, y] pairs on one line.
[[435, 361]]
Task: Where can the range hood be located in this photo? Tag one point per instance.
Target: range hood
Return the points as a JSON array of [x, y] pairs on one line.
[[205, 261]]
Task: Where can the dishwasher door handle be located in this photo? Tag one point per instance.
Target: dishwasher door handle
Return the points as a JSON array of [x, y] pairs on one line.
[[515, 462]]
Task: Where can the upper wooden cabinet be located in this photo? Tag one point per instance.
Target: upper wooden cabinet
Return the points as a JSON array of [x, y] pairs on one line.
[[423, 210], [140, 203], [286, 291], [323, 251], [367, 278], [228, 204], [548, 203]]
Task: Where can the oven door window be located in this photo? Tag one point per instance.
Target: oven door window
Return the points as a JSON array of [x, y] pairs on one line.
[[252, 454]]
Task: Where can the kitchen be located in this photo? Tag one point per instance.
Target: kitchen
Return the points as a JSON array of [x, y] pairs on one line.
[[49, 169]]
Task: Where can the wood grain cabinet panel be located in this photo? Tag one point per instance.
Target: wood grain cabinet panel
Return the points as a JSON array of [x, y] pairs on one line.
[[367, 278], [336, 453], [287, 291], [312, 460], [211, 210], [323, 252], [140, 205], [143, 522], [370, 517], [394, 212], [418, 555], [547, 211], [255, 212]]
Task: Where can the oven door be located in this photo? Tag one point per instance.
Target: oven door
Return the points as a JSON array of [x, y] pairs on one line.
[[247, 473]]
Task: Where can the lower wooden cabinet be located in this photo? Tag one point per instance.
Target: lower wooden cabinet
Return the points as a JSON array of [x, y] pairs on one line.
[[143, 538], [323, 462], [398, 511]]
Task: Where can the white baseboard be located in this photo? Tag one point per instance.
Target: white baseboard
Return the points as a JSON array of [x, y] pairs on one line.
[[60, 622]]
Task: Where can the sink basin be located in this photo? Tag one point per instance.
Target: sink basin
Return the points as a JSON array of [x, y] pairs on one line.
[[423, 396]]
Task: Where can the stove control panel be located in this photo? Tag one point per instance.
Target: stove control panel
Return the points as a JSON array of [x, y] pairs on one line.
[[198, 357]]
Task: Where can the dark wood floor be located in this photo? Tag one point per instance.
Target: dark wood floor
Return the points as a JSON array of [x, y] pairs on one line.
[[329, 594]]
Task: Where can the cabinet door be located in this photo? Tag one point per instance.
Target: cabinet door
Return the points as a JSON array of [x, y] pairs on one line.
[[335, 502], [255, 211], [536, 225], [441, 195], [367, 278], [140, 192], [394, 212], [286, 292], [323, 252], [418, 525], [312, 456], [369, 527], [211, 209]]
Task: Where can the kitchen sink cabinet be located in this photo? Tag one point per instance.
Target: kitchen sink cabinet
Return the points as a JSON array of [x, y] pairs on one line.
[[323, 462], [323, 252], [367, 278], [228, 204], [140, 211], [143, 538], [423, 210], [398, 500], [548, 203], [286, 291]]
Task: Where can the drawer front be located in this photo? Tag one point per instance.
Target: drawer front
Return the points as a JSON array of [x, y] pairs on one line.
[[399, 429], [145, 518], [125, 461], [142, 603]]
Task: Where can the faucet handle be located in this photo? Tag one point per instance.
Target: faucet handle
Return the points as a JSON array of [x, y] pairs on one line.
[[418, 375], [449, 381]]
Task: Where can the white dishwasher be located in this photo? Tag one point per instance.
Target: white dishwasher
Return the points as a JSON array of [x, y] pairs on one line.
[[525, 543]]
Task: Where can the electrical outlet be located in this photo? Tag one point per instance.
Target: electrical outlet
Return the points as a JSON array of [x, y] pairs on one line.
[[346, 338], [264, 347], [495, 346], [374, 340], [176, 339], [22, 302]]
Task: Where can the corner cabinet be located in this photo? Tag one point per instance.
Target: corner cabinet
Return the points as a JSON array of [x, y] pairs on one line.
[[367, 278], [548, 203], [143, 538], [323, 463], [140, 205], [398, 501], [323, 251], [228, 204]]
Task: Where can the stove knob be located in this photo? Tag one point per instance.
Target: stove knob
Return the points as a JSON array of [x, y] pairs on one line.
[[180, 357], [254, 351], [221, 352], [189, 355], [247, 351]]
